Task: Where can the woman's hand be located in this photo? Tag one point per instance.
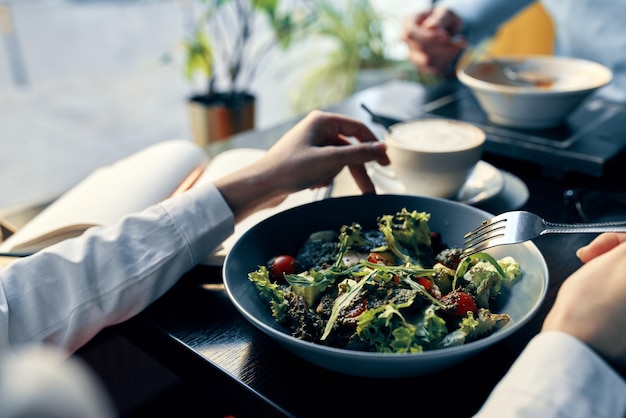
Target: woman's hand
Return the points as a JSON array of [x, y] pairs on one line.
[[318, 148], [591, 303], [310, 155]]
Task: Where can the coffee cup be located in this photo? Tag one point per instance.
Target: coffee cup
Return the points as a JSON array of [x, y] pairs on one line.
[[434, 157]]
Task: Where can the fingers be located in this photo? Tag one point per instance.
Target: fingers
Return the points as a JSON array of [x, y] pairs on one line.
[[591, 303], [427, 27], [318, 148], [362, 180], [362, 153], [355, 156], [310, 154], [428, 37], [600, 245], [436, 20], [336, 127], [329, 161], [412, 21], [350, 153], [444, 19], [418, 36]]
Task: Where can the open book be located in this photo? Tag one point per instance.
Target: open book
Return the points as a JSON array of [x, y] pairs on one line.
[[131, 185]]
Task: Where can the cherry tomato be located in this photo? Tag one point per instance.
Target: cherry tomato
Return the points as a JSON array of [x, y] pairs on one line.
[[385, 258], [424, 282], [358, 309], [460, 303], [430, 287], [281, 265]]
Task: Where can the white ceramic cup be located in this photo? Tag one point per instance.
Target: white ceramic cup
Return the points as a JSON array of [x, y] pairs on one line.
[[434, 157]]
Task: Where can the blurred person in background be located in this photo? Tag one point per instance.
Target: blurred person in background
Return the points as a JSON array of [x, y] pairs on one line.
[[587, 29]]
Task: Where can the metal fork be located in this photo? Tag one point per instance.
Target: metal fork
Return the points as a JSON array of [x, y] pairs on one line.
[[519, 226]]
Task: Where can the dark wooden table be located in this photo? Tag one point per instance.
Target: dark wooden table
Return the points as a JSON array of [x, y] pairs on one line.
[[195, 331]]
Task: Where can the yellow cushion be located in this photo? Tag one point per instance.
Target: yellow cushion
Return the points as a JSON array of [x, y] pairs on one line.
[[530, 32]]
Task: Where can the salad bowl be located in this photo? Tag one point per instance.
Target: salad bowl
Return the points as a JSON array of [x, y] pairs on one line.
[[285, 232]]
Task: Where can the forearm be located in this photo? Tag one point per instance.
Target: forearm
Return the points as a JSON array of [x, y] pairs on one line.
[[66, 294], [558, 376], [246, 191]]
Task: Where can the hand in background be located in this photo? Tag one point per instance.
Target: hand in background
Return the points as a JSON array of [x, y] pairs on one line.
[[428, 36]]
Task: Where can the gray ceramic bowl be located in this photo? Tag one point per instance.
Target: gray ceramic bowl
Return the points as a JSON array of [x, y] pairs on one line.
[[286, 231]]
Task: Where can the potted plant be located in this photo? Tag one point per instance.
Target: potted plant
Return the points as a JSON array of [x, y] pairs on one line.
[[357, 57], [223, 51]]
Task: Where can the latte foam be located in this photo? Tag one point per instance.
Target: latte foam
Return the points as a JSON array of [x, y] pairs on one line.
[[436, 135]]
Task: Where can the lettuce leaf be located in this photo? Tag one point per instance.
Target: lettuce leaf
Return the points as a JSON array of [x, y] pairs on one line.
[[386, 330], [311, 284], [270, 292], [408, 236], [472, 328]]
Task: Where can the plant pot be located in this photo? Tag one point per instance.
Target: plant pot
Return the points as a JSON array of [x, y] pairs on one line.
[[218, 116]]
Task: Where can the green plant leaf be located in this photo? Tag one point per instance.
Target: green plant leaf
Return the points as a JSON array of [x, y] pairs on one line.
[[355, 31], [223, 36], [199, 56]]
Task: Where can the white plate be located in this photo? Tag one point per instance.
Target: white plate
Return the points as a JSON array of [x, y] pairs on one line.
[[485, 182]]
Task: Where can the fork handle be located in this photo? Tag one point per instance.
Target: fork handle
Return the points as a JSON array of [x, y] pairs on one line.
[[592, 228]]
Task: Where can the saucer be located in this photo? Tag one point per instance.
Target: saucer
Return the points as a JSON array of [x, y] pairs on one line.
[[485, 182], [513, 196]]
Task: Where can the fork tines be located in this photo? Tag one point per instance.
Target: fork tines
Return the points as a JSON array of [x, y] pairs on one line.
[[481, 237]]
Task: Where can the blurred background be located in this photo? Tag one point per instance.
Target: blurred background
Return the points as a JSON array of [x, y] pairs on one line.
[[86, 82]]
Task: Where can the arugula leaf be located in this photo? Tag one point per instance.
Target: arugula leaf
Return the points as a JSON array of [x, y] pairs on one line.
[[349, 236], [400, 270], [350, 290], [405, 273]]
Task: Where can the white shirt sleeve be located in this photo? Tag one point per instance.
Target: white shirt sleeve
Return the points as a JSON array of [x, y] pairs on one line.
[[64, 295], [558, 376]]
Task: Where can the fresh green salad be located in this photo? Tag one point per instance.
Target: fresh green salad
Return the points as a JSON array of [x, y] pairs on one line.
[[397, 289]]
